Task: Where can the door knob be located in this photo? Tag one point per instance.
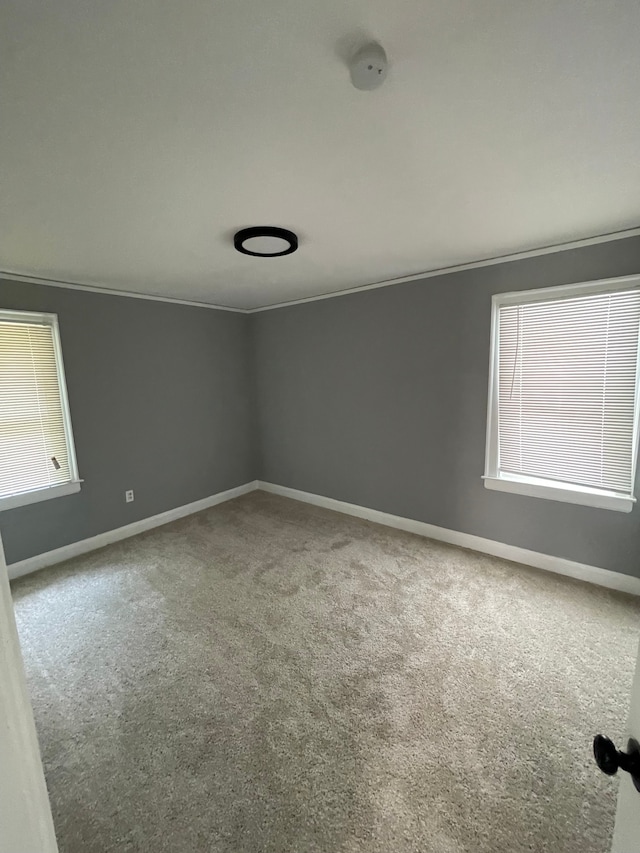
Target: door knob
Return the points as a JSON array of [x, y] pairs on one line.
[[610, 760]]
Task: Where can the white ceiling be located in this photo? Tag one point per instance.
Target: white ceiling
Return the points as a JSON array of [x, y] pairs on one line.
[[136, 137]]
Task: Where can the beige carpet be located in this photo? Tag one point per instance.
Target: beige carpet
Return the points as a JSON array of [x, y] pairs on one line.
[[267, 676]]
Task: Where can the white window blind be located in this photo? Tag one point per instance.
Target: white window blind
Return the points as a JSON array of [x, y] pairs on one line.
[[567, 390], [36, 450]]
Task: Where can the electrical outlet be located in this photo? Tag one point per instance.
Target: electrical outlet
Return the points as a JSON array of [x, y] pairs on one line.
[[128, 496]]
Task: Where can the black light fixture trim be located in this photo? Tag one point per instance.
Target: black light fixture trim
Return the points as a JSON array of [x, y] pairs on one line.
[[265, 231]]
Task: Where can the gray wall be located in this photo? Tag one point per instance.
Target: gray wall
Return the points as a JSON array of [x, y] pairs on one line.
[[377, 398], [161, 402], [380, 399]]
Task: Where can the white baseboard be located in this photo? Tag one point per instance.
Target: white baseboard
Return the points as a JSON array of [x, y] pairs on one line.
[[591, 574], [49, 558]]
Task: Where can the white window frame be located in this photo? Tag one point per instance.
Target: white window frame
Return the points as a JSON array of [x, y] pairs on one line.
[[58, 491], [539, 487]]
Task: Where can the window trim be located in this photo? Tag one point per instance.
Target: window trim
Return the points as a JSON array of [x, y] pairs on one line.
[[73, 485], [37, 495], [539, 487]]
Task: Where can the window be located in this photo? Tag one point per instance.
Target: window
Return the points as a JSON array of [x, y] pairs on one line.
[[37, 458], [563, 393]]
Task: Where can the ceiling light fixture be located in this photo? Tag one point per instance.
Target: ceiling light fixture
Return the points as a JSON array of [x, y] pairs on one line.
[[265, 241]]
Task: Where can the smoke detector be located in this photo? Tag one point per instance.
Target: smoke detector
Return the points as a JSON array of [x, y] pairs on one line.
[[369, 67]]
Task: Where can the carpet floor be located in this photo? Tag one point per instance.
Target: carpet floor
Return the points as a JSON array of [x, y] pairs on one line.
[[269, 677]]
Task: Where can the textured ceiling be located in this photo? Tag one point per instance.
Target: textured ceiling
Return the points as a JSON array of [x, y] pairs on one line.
[[136, 137]]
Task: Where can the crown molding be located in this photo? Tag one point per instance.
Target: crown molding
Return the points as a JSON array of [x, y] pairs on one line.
[[389, 282], [111, 291], [472, 265]]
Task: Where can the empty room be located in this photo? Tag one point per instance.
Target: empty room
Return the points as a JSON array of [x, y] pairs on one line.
[[319, 426]]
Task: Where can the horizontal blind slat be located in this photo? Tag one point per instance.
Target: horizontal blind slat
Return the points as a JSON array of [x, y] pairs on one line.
[[566, 388], [32, 420]]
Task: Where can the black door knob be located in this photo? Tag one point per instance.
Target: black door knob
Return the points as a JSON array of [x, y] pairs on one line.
[[610, 760]]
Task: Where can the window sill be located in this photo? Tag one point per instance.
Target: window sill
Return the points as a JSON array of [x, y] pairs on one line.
[[37, 495], [562, 492]]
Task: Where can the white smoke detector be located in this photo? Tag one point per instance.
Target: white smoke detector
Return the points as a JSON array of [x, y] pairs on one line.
[[369, 67]]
